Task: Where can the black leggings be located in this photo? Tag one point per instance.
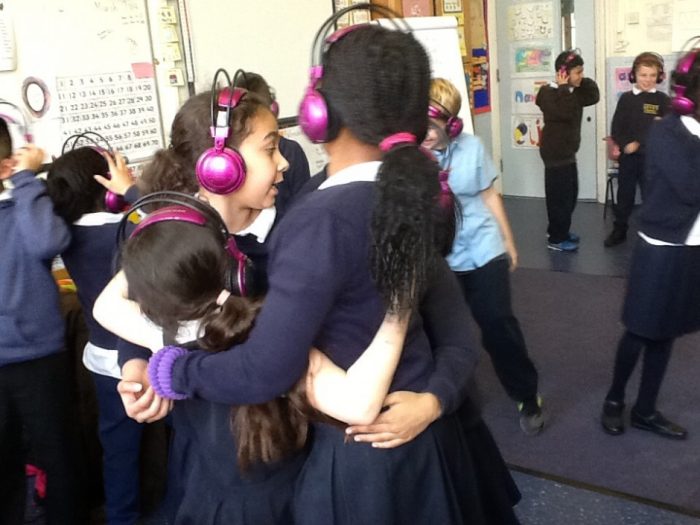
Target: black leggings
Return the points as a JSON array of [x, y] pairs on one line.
[[656, 356]]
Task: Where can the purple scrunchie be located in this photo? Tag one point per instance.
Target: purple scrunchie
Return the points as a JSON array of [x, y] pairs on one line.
[[160, 371]]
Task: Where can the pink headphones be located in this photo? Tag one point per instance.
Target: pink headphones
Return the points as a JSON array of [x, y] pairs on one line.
[[680, 81], [315, 116], [454, 125], [21, 123], [185, 208], [114, 203], [221, 169]]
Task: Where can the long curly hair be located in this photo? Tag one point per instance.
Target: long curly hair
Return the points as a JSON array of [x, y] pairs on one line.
[[376, 82]]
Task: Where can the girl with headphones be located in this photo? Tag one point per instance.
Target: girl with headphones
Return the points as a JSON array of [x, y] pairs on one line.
[[635, 111], [663, 289], [339, 259], [483, 250]]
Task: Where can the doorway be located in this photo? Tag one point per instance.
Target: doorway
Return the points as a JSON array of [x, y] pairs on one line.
[[530, 36]]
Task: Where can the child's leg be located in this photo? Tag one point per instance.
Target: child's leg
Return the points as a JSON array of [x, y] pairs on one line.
[[46, 411], [559, 195], [120, 437], [628, 351], [656, 357], [487, 291], [629, 175], [12, 484]]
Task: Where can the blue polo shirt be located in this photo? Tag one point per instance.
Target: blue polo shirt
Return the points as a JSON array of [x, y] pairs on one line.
[[478, 239]]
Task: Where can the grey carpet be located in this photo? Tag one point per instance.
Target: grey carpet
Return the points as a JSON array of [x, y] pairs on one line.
[[571, 324]]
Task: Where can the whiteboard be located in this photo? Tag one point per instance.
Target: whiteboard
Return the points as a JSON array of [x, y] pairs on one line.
[[439, 36], [94, 58], [272, 38]]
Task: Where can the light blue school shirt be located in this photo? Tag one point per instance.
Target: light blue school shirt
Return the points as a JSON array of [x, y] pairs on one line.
[[471, 171]]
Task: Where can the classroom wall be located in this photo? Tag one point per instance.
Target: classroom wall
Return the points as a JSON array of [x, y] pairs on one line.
[[272, 38]]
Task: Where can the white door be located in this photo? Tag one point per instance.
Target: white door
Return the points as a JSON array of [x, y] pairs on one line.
[[530, 37]]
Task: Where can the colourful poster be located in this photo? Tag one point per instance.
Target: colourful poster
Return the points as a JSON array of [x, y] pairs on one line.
[[526, 131], [524, 92], [533, 60]]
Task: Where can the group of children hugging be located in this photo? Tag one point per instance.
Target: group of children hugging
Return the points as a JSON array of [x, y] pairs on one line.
[[305, 337]]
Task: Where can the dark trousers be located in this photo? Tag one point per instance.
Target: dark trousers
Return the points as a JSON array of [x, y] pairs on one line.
[[120, 437], [36, 407], [487, 291], [561, 192], [630, 175]]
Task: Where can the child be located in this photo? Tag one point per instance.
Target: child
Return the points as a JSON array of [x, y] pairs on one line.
[[243, 460], [483, 249], [298, 173], [339, 259], [663, 290], [34, 369], [635, 111], [562, 104], [81, 201]]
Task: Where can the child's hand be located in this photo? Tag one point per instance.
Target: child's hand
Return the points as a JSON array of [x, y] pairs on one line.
[[121, 179], [512, 252], [28, 157], [562, 77], [631, 147]]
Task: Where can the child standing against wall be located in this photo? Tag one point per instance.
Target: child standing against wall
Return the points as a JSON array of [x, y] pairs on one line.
[[635, 112], [562, 104], [34, 366]]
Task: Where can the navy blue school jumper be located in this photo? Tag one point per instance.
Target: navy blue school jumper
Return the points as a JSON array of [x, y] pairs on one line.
[[35, 374], [321, 293], [663, 290], [634, 114], [89, 260], [562, 109]]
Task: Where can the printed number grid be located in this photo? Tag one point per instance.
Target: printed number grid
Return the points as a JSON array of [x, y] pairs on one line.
[[118, 106]]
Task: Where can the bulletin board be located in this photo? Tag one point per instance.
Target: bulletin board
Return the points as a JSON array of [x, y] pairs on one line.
[[82, 65]]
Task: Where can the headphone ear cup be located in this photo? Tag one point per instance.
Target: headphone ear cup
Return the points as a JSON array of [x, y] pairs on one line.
[[220, 171], [114, 203], [314, 117], [632, 77], [454, 127]]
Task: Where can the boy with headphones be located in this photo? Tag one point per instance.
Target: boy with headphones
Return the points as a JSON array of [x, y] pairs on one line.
[[562, 104], [636, 110]]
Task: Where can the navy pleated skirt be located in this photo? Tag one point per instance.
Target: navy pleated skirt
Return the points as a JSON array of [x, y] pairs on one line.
[[434, 479], [663, 291]]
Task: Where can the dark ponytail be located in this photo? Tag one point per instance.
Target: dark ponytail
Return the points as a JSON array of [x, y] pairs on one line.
[[377, 83]]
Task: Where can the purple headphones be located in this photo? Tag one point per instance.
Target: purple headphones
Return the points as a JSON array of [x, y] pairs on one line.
[[221, 169], [454, 125], [186, 208], [114, 203], [21, 124], [681, 102], [315, 115]]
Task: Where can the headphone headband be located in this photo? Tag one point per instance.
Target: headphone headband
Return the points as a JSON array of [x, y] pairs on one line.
[[186, 208]]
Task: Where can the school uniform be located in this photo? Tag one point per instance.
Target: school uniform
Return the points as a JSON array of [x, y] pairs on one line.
[[295, 177], [35, 374], [663, 291], [562, 110], [479, 260], [89, 260], [634, 114], [331, 301]]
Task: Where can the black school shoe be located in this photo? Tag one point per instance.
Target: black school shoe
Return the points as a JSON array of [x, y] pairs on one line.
[[612, 417], [658, 424], [617, 236]]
